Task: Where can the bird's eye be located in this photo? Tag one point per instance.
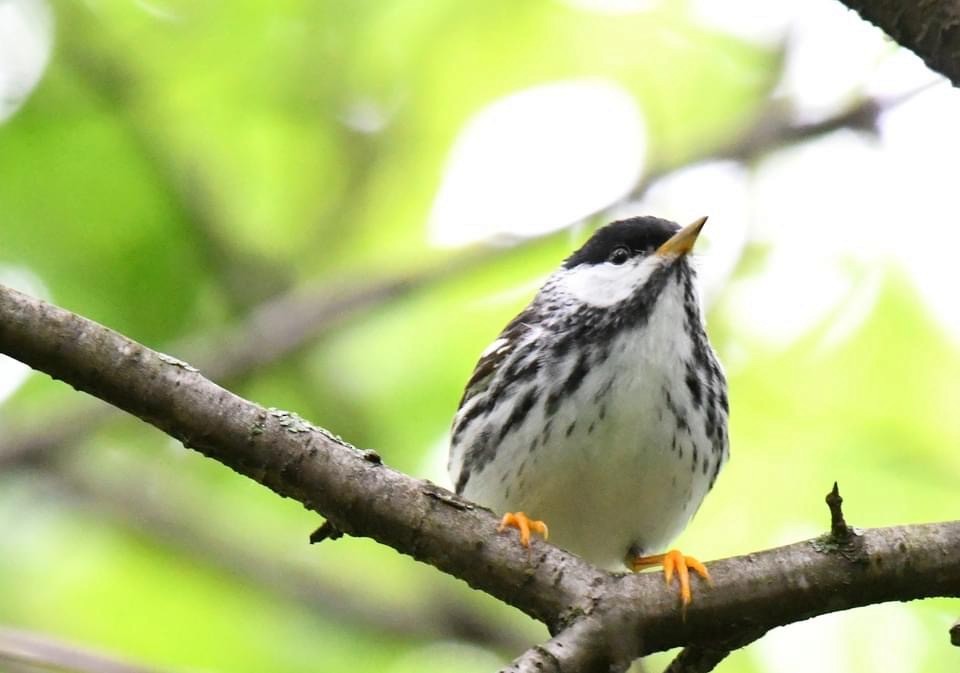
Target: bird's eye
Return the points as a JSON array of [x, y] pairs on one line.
[[619, 255]]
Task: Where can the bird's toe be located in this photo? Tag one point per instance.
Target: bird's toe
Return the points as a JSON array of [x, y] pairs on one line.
[[525, 525]]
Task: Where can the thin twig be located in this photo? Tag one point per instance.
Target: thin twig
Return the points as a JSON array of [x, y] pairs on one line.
[[839, 530], [327, 531], [36, 651], [842, 538]]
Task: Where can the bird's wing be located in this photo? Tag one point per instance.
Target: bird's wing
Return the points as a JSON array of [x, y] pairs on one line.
[[494, 356], [471, 448]]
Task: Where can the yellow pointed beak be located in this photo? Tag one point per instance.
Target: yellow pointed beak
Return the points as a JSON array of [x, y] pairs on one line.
[[682, 242]]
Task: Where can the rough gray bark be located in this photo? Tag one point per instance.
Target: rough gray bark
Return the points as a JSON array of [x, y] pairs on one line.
[[928, 28], [600, 620]]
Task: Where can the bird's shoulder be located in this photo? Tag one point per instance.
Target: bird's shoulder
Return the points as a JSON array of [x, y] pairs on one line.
[[498, 353]]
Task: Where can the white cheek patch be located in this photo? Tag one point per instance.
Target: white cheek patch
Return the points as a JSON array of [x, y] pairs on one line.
[[607, 284]]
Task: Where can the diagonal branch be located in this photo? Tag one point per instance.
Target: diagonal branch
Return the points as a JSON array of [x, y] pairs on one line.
[[363, 497]]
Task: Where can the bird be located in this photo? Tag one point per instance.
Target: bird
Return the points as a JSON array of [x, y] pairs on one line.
[[601, 409]]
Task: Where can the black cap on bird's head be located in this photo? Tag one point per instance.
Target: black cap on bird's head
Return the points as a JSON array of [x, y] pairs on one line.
[[619, 241]]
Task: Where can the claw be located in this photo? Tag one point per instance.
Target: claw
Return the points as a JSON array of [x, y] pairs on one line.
[[525, 525], [675, 562]]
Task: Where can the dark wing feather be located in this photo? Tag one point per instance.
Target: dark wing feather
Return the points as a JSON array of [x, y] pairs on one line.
[[485, 387], [493, 358]]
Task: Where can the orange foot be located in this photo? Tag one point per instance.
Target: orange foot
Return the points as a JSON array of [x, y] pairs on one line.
[[674, 560], [525, 524]]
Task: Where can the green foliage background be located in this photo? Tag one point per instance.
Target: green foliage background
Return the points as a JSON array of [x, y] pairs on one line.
[[167, 176]]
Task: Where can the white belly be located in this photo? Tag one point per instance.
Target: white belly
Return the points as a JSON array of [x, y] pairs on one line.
[[617, 470]]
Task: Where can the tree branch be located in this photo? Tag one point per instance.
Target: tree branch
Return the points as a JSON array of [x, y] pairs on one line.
[[290, 456], [928, 28], [583, 647], [366, 498], [700, 659], [704, 657]]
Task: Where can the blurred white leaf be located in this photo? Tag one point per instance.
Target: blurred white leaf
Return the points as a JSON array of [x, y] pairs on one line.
[[717, 189], [763, 22], [826, 223], [921, 144], [26, 35], [831, 53], [539, 160], [12, 376]]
